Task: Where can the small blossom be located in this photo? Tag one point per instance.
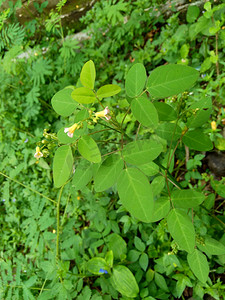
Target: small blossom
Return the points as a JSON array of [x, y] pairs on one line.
[[14, 200], [213, 125], [3, 200], [70, 130], [38, 153], [102, 271], [26, 140], [104, 114]]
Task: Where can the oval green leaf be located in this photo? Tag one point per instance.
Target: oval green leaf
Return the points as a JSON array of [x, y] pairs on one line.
[[145, 112], [135, 80], [158, 184], [62, 165], [88, 74], [97, 266], [149, 169], [108, 173], [169, 131], [63, 103], [199, 118], [83, 175], [83, 95], [197, 140], [165, 111], [161, 209], [124, 282], [108, 90], [89, 149], [212, 247], [199, 265], [181, 229], [187, 198], [169, 80], [136, 194], [141, 152], [117, 244]]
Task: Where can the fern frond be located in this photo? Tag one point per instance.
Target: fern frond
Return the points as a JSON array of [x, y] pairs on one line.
[[11, 35], [40, 69]]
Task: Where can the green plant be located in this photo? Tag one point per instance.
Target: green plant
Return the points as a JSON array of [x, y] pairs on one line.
[[144, 159], [78, 240]]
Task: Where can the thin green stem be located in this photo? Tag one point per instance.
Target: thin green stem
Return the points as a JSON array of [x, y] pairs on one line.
[[58, 223], [27, 187], [42, 288]]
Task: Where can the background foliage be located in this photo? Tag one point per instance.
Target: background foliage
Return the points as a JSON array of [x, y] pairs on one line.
[[50, 238]]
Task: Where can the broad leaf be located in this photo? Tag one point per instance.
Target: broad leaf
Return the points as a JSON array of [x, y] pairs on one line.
[[83, 175], [145, 112], [98, 266], [199, 118], [83, 95], [212, 247], [62, 165], [169, 80], [199, 265], [161, 209], [136, 194], [141, 152], [124, 281], [161, 282], [157, 184], [165, 111], [108, 173], [89, 149], [181, 229], [88, 74], [117, 244], [149, 169], [108, 90], [197, 140], [169, 131], [143, 261], [135, 80], [187, 198], [63, 103], [192, 13], [201, 111]]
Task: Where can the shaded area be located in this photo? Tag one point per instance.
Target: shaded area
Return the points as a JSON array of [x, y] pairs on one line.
[[71, 12]]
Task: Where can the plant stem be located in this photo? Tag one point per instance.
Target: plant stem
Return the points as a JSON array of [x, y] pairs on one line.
[[58, 222]]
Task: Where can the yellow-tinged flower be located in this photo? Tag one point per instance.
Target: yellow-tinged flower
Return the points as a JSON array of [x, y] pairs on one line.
[[213, 125], [104, 114], [38, 153], [70, 130]]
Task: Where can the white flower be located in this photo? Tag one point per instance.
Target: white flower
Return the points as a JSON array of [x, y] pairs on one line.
[[38, 153], [104, 113], [70, 130]]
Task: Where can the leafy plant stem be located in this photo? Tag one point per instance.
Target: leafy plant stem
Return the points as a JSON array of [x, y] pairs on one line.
[[27, 187]]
